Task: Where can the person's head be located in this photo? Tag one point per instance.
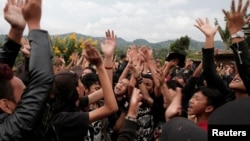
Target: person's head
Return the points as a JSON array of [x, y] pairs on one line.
[[65, 90], [87, 70], [123, 57], [121, 87], [158, 63], [11, 89], [180, 58], [237, 84], [181, 78], [204, 101], [78, 70], [91, 83], [148, 82], [58, 61]]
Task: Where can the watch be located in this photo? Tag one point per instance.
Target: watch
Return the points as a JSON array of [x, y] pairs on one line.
[[239, 34]]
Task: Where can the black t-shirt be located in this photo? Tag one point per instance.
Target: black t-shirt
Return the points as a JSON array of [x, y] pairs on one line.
[[71, 126]]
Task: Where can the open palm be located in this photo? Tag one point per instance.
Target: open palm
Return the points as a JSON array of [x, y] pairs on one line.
[[206, 27], [13, 14], [108, 46]]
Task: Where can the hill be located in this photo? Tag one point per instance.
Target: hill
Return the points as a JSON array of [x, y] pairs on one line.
[[121, 43]]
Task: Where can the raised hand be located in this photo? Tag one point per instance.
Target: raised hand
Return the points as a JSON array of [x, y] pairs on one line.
[[135, 103], [147, 53], [108, 46], [135, 70], [174, 109], [236, 18], [32, 12], [206, 27], [13, 14], [92, 55], [25, 47]]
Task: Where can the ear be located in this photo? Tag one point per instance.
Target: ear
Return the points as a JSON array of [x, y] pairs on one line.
[[4, 106], [209, 109]]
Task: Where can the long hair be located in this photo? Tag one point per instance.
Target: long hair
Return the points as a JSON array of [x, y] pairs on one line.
[[64, 91]]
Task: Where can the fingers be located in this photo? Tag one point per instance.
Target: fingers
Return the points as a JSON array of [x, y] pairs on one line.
[[12, 2], [26, 2], [113, 36], [207, 21], [199, 22], [19, 3], [233, 6], [225, 13], [108, 35], [26, 52], [239, 6], [244, 10], [92, 54]]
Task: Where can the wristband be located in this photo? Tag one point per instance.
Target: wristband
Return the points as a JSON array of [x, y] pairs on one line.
[[131, 118], [108, 68]]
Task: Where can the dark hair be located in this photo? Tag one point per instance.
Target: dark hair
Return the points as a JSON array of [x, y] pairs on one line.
[[122, 56], [147, 75], [90, 68], [64, 91], [173, 84], [6, 90], [89, 79], [78, 70], [214, 97]]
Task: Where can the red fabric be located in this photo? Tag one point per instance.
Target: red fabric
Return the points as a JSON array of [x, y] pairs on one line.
[[203, 125]]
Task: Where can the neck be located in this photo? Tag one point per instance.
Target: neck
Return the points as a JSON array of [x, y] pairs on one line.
[[240, 94], [119, 97], [202, 118]]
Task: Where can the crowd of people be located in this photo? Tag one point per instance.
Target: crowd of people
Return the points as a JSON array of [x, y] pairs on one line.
[[136, 97]]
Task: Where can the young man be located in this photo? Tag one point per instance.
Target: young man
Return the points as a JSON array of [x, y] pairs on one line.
[[21, 106], [204, 101], [240, 107]]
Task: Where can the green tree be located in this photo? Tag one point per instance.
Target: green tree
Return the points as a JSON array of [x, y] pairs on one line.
[[180, 45], [224, 34], [160, 53]]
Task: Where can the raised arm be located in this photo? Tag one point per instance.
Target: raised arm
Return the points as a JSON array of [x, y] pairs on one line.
[[212, 78], [236, 20], [110, 105], [13, 15], [108, 47], [29, 109], [129, 127], [136, 73]]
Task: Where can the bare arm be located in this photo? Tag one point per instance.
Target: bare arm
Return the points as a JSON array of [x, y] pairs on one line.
[[108, 47], [110, 105]]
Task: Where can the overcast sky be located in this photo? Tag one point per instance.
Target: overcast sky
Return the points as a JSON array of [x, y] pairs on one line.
[[153, 20]]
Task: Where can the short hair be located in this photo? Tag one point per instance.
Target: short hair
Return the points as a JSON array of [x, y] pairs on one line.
[[6, 90], [214, 96], [90, 68], [89, 79]]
